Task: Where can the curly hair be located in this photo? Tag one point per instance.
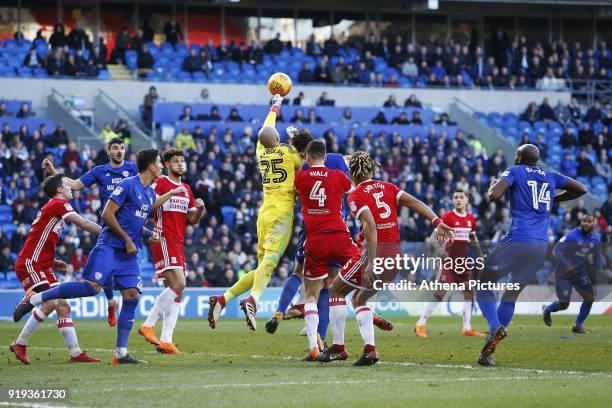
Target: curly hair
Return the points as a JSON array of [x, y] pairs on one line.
[[301, 139], [362, 166]]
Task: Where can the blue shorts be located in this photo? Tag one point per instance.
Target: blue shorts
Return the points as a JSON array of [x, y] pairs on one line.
[[521, 259], [565, 281], [112, 267], [299, 250]]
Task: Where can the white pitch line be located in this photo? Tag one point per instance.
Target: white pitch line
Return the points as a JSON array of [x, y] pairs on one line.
[[30, 405], [389, 363], [301, 383]]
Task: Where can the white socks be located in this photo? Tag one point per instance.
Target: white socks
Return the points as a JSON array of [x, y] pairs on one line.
[[121, 352], [66, 328], [32, 324], [36, 299], [170, 318], [337, 319], [467, 315], [365, 319], [429, 308], [161, 306], [311, 316]]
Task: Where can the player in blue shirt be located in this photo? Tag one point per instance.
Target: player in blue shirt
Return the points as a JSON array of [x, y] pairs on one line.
[[114, 258], [106, 176], [572, 254], [521, 252], [300, 138]]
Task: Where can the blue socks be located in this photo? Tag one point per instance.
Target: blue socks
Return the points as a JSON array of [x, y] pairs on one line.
[[108, 292], [585, 309], [488, 306], [292, 285], [553, 307], [126, 321], [505, 311], [69, 290], [323, 307]]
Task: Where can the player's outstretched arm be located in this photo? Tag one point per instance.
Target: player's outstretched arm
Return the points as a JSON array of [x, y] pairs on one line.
[[573, 190], [163, 198], [194, 217], [84, 224], [410, 201], [108, 215], [49, 167], [368, 226], [475, 244]]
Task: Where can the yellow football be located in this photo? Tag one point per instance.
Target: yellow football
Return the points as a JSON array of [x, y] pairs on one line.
[[279, 83]]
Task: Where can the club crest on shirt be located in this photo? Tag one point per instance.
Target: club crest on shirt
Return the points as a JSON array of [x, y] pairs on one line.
[[353, 207], [125, 173], [98, 275]]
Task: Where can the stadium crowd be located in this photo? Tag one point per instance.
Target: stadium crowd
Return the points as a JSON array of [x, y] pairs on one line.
[[221, 169], [388, 61]]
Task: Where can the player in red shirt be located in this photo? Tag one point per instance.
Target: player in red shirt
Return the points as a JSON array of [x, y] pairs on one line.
[[327, 238], [170, 221], [375, 205], [464, 235], [36, 260]]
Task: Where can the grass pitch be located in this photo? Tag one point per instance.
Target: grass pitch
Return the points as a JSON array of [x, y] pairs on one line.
[[231, 367]]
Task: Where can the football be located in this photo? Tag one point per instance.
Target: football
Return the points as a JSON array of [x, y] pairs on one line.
[[279, 83]]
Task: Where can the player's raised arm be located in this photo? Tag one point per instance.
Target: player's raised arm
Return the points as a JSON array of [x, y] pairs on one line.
[[410, 201], [84, 224], [49, 167], [163, 198], [109, 217], [573, 189], [268, 135]]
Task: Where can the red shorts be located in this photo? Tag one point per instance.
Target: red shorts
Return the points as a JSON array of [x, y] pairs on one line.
[[167, 254], [34, 276], [320, 250], [352, 272], [450, 276]]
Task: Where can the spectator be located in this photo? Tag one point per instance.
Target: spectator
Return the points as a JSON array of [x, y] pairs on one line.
[[55, 63], [184, 140], [402, 119], [59, 137], [347, 116], [78, 39], [416, 118], [586, 136], [410, 69], [173, 32], [24, 111], [569, 166], [72, 68], [568, 138], [306, 75], [321, 73], [149, 100], [562, 113], [594, 113], [585, 165], [545, 112], [531, 113], [275, 45], [575, 111], [193, 62], [325, 101], [122, 44], [32, 60], [145, 61], [234, 116], [313, 118], [187, 115], [91, 70], [298, 117], [380, 119], [58, 39], [391, 102], [107, 133], [412, 102], [6, 260], [98, 59], [123, 131], [331, 46], [299, 100], [138, 40]]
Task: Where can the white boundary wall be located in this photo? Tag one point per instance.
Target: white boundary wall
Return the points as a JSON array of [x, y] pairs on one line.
[[131, 93]]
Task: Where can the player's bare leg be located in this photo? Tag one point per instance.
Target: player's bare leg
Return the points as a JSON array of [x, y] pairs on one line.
[[468, 303], [311, 316], [421, 325]]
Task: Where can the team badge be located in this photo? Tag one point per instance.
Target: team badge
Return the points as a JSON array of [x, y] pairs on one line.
[[353, 207], [98, 275], [125, 173]]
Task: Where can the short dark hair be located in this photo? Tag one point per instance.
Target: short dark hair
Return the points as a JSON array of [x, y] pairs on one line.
[[301, 140], [145, 158], [52, 183], [316, 149], [114, 140], [460, 190], [169, 154]]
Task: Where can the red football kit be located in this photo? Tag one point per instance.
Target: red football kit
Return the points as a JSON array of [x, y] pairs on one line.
[[170, 221], [34, 263], [463, 226], [382, 198], [327, 238]]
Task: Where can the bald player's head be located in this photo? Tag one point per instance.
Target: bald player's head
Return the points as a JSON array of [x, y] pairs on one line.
[[269, 137], [527, 154]]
